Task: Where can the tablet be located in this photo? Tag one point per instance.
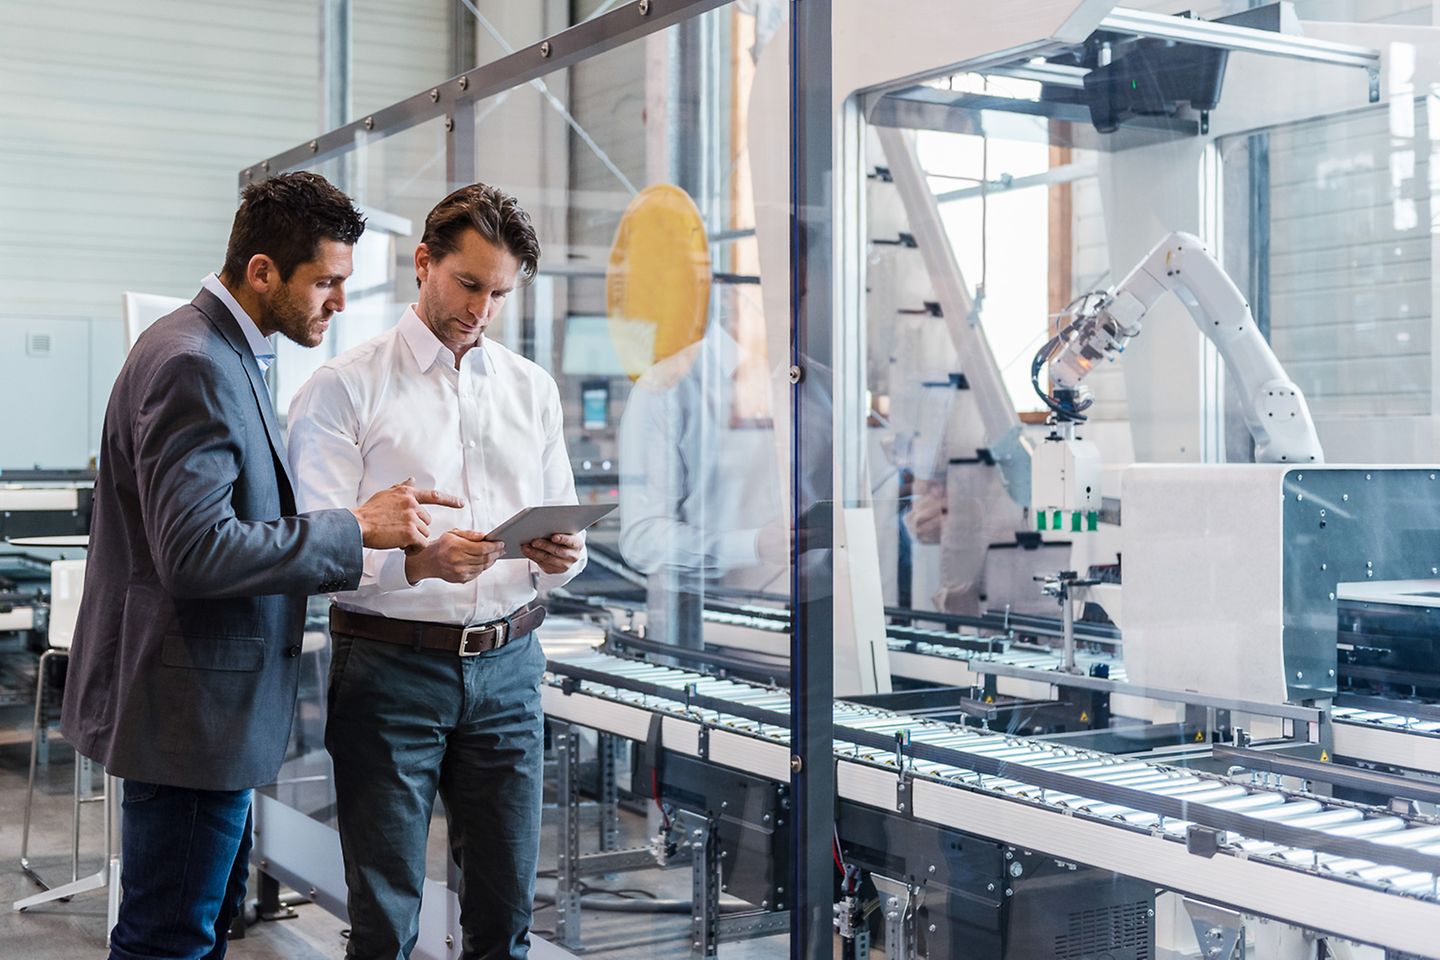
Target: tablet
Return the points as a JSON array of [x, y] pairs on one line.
[[538, 523]]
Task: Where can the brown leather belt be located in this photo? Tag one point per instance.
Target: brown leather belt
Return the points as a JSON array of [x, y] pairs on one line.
[[420, 635]]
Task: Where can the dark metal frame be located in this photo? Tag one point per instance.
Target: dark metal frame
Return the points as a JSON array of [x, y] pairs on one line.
[[812, 449]]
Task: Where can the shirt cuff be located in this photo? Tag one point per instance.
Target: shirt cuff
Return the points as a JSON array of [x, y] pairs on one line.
[[737, 548], [392, 573]]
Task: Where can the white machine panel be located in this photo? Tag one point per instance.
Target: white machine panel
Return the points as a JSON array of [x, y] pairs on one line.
[[1203, 579]]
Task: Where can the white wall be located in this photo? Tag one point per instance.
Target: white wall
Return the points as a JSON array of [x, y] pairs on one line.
[[125, 125]]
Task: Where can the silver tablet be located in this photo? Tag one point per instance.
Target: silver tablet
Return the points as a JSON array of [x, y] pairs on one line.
[[538, 523]]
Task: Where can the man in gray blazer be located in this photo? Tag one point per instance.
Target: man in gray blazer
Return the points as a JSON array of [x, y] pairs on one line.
[[183, 673]]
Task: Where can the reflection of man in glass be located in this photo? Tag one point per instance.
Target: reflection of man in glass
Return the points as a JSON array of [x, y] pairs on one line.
[[436, 673], [700, 491]]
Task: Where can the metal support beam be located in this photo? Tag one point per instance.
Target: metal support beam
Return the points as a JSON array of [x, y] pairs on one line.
[[463, 47], [704, 887], [608, 747], [1003, 432], [335, 62], [1354, 778], [581, 42], [567, 880], [1207, 33], [812, 446], [460, 146]]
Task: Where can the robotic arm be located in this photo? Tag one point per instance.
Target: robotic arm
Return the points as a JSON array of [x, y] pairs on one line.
[[1274, 408]]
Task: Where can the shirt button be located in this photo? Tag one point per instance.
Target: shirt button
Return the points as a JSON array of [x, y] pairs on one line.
[[470, 444], [292, 651]]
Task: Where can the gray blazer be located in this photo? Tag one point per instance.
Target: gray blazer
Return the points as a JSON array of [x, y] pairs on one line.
[[186, 654]]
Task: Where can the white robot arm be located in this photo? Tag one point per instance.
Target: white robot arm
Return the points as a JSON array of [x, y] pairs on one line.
[[1274, 408]]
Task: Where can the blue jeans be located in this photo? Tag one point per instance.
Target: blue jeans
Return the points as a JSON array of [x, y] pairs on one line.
[[404, 724], [185, 861]]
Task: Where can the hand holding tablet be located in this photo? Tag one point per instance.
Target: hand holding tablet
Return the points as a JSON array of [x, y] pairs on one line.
[[540, 523]]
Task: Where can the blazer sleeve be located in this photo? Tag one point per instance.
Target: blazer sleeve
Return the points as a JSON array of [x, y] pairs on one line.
[[188, 457]]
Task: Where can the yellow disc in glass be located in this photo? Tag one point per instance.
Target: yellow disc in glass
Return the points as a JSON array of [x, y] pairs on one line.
[[657, 283]]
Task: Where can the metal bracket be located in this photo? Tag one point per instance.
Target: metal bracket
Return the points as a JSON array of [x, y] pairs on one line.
[[608, 747], [567, 874], [705, 888], [901, 902], [1220, 933], [754, 923]]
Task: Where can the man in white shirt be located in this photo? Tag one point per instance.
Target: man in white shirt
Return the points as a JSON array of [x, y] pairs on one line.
[[185, 659], [434, 683]]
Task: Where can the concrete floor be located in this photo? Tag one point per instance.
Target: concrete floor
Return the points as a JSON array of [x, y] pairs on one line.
[[74, 930], [68, 931]]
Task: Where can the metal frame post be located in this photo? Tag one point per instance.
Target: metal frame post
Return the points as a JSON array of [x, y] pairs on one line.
[[901, 902], [608, 747], [704, 887], [567, 877], [460, 145], [812, 763]]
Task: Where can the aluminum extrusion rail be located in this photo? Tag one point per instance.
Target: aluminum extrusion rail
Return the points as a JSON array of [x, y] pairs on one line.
[[1344, 841]]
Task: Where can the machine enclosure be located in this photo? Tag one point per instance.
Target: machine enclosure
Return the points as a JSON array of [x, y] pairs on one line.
[[1230, 571]]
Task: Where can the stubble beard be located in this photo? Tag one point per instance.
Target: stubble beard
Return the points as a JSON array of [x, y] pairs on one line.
[[287, 314]]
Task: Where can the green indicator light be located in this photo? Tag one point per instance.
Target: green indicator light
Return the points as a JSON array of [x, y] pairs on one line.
[[1055, 521], [1075, 521], [1134, 84], [1092, 520], [1040, 520]]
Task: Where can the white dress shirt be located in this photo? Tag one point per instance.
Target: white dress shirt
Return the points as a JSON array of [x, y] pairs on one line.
[[259, 345], [489, 433]]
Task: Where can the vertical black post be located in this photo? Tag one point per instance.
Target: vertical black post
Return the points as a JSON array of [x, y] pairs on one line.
[[812, 777]]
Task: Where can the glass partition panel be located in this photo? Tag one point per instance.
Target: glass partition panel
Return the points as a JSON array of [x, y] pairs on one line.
[[1344, 249], [394, 181], [647, 313], [1146, 454]]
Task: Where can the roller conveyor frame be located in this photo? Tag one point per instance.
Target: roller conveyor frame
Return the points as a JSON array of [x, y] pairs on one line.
[[1399, 741], [742, 733]]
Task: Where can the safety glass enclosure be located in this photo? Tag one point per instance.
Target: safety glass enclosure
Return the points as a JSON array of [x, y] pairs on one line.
[[1022, 432]]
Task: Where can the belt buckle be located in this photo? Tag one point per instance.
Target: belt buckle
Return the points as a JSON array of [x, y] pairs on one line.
[[465, 650], [502, 627]]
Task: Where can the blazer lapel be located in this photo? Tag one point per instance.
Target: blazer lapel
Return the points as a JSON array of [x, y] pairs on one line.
[[220, 316]]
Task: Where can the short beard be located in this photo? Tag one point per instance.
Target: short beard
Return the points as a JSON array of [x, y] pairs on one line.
[[285, 314]]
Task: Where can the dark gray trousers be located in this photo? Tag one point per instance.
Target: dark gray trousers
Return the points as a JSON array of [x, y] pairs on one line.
[[405, 723]]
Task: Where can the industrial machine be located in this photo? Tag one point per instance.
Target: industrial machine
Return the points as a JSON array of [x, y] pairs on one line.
[[1274, 409], [1065, 475], [997, 845]]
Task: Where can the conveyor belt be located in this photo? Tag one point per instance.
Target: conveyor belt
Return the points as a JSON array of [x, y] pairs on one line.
[[951, 658], [1360, 872], [1394, 739]]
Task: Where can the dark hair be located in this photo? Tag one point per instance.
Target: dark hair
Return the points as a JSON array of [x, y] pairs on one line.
[[285, 218], [492, 213]]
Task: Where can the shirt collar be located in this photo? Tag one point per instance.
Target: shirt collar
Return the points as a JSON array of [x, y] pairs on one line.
[[427, 348], [259, 345]]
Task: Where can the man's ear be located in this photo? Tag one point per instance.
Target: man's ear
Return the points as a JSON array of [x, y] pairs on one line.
[[422, 262], [262, 274]]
